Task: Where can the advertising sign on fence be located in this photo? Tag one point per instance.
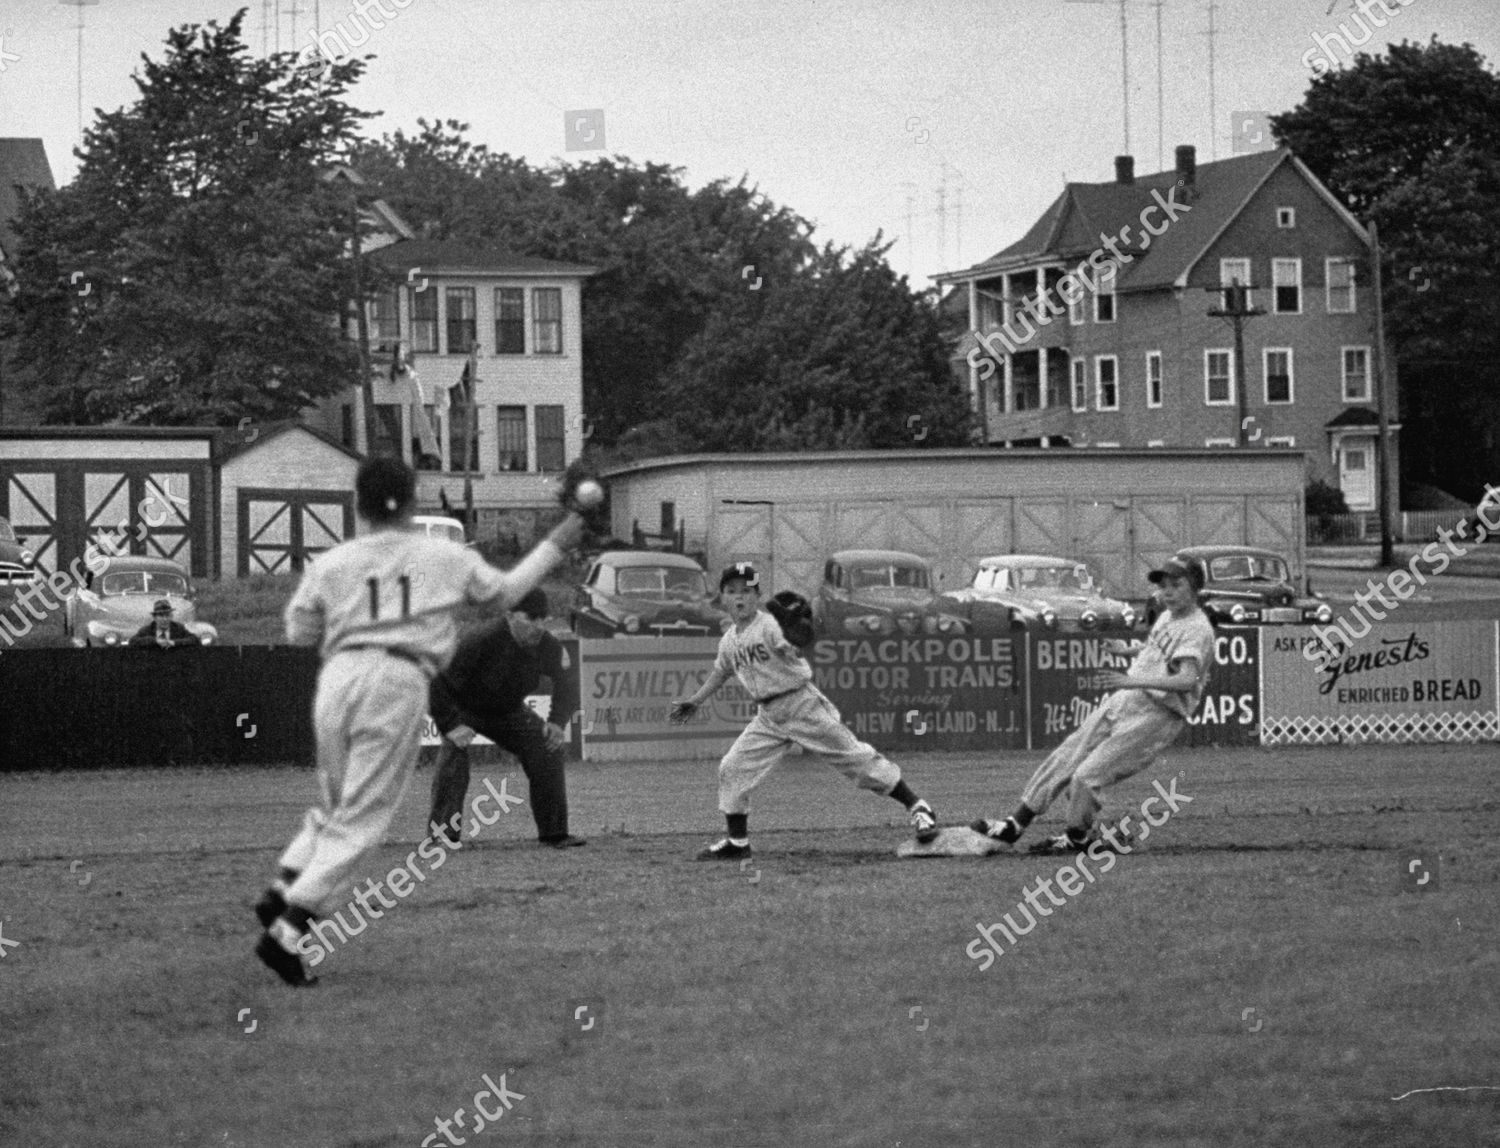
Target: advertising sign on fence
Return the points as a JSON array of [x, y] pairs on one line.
[[1065, 688], [1425, 681], [921, 693], [897, 693], [628, 686], [1230, 711]]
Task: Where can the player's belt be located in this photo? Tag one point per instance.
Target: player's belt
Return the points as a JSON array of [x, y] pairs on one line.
[[783, 694], [404, 655]]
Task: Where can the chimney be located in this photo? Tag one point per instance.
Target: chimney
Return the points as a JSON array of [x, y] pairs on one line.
[[1124, 169], [1187, 166]]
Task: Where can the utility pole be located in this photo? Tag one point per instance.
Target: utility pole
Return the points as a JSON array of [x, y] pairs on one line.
[[1237, 309], [471, 433], [1213, 89], [911, 251], [362, 327], [1124, 65], [1160, 103], [1382, 448], [942, 215]]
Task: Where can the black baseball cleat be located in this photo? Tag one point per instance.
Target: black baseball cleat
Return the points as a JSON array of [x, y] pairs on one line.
[[270, 906], [566, 841], [924, 821], [1005, 830], [725, 850], [277, 951]]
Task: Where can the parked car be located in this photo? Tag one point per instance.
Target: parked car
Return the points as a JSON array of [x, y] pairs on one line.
[[646, 592], [441, 526], [17, 562], [116, 601], [882, 592], [1046, 592], [1247, 585]]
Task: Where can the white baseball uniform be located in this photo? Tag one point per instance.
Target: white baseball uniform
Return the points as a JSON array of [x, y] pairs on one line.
[[383, 607], [792, 711], [1130, 727]]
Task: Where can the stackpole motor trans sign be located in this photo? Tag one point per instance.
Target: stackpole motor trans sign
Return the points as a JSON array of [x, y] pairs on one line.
[[898, 693]]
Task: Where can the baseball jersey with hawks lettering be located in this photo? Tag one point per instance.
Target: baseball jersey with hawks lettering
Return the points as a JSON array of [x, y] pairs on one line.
[[761, 657], [793, 711]]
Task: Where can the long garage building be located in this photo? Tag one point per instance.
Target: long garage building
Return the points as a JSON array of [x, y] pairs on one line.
[[1123, 510]]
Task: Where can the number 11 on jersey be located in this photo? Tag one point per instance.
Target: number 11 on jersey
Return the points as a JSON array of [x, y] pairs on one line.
[[374, 585]]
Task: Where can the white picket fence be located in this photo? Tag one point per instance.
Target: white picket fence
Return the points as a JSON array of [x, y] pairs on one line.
[[1406, 526]]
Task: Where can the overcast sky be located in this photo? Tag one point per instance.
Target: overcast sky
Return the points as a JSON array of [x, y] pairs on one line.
[[860, 116]]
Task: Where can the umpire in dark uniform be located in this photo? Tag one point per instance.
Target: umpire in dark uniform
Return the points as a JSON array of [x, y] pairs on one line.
[[484, 691]]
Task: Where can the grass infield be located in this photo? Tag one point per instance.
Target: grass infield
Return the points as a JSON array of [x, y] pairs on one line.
[[1264, 970]]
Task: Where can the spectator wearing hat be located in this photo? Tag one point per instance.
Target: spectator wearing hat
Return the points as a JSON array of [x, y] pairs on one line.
[[163, 630], [484, 691]]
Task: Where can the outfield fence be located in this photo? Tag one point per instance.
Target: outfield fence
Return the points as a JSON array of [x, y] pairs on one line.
[[1431, 681]]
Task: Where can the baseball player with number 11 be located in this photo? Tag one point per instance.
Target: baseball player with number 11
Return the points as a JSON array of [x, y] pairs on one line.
[[382, 607], [761, 649]]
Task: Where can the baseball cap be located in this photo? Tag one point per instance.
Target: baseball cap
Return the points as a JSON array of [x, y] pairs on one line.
[[534, 605], [741, 570], [1177, 568], [162, 606]]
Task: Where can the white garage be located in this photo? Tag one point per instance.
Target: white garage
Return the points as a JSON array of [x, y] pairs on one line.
[[1124, 510]]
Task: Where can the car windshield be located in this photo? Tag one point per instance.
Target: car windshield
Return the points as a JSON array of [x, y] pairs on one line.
[[453, 530], [1076, 578], [6, 533], [156, 582], [1247, 568], [658, 581], [889, 574]]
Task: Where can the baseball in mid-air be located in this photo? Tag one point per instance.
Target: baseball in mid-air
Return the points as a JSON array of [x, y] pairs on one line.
[[589, 494]]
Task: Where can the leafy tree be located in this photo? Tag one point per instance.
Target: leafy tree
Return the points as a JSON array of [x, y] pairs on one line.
[[839, 357], [194, 272], [1412, 140]]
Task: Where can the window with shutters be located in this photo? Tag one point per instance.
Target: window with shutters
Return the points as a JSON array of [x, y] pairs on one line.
[[550, 445], [463, 328], [510, 438], [510, 321], [546, 304]]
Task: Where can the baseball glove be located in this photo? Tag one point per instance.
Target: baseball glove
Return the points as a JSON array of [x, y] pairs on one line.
[[681, 712], [595, 518], [793, 613]]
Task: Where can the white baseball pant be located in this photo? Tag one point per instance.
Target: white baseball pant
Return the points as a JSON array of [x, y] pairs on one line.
[[1124, 735], [804, 718], [368, 718]]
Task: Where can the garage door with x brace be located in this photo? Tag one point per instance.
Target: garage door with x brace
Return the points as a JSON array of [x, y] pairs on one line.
[[279, 530]]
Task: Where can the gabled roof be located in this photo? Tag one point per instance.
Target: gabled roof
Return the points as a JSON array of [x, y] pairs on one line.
[[378, 216], [1069, 230], [23, 163], [231, 446], [441, 256]]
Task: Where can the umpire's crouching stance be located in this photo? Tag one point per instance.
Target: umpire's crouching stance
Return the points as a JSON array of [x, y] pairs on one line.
[[484, 690]]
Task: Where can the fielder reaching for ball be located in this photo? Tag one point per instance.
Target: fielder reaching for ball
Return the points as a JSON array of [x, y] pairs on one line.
[[383, 606], [761, 649], [1148, 709]]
